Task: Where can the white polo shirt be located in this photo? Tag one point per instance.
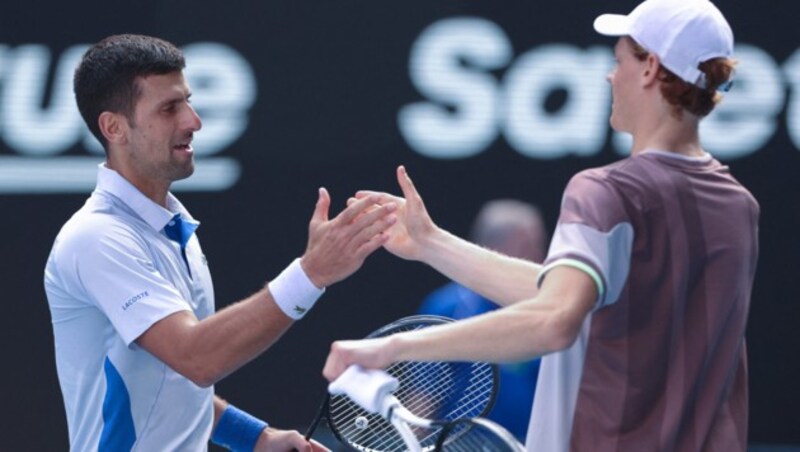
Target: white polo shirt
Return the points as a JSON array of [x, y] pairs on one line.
[[112, 273]]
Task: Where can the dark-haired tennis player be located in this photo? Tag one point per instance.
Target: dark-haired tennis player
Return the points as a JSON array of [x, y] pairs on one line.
[[138, 344]]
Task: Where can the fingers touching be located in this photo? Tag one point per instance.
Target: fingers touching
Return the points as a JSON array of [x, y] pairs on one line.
[[337, 247]]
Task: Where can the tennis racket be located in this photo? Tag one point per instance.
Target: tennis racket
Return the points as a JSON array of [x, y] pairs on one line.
[[478, 434], [444, 391], [373, 391]]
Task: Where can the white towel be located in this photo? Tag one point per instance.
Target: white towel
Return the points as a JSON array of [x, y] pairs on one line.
[[367, 387]]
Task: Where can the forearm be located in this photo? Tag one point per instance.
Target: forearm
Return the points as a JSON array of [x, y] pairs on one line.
[[500, 278], [516, 333], [206, 351], [222, 343], [533, 327]]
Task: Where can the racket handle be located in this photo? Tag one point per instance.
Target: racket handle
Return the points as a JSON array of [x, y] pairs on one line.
[[407, 434], [400, 412], [367, 387]]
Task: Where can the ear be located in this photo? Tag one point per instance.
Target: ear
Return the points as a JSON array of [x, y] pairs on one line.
[[114, 127], [650, 72]]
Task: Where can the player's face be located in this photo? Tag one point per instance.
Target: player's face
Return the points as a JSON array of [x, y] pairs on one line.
[[160, 135], [624, 86]]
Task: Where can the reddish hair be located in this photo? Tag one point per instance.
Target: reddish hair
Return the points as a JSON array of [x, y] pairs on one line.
[[682, 95]]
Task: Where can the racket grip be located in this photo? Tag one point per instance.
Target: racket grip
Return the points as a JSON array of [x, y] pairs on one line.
[[367, 387]]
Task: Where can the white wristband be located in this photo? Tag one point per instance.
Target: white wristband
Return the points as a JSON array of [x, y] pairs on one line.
[[293, 291]]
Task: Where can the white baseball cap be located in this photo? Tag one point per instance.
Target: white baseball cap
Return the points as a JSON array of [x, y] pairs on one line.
[[682, 33]]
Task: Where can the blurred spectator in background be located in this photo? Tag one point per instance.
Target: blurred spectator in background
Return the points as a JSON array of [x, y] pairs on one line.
[[516, 229]]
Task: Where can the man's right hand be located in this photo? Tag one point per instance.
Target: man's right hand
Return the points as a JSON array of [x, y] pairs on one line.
[[367, 353], [337, 247]]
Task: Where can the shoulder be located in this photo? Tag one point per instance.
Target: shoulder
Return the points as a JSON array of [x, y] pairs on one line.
[[617, 190], [618, 176], [97, 229], [598, 197]]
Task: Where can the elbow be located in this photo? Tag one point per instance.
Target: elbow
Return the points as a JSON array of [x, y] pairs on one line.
[[203, 378], [567, 299], [562, 332], [198, 364], [203, 381], [179, 342], [199, 372], [563, 338]]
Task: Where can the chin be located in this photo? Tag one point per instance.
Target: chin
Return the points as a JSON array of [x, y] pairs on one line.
[[616, 125], [183, 173]]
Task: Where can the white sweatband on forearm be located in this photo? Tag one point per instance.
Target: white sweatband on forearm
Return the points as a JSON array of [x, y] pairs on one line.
[[293, 291]]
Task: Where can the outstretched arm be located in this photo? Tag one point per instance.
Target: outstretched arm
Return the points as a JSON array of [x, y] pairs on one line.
[[415, 236], [530, 328], [208, 350]]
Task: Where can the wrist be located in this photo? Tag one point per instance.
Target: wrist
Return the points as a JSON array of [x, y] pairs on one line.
[[396, 347], [431, 245], [237, 430], [293, 291], [312, 274]]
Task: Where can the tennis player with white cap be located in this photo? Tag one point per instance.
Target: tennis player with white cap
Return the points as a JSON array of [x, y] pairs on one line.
[[682, 33], [641, 306]]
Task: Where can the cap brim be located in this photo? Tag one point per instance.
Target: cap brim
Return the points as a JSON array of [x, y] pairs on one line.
[[613, 25]]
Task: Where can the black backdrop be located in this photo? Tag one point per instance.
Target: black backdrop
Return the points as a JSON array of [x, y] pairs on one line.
[[331, 78]]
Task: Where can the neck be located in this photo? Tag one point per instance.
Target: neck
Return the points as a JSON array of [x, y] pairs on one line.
[[155, 191], [663, 131]]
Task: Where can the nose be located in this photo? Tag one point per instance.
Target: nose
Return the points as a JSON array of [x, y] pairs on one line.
[[193, 122]]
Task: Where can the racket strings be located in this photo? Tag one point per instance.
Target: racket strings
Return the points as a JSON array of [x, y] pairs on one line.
[[370, 432], [432, 390], [442, 391], [478, 435]]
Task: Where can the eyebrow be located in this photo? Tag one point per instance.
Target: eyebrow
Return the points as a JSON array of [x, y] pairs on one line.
[[175, 100]]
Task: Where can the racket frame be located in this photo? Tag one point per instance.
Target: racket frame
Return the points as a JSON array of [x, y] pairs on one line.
[[397, 415]]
